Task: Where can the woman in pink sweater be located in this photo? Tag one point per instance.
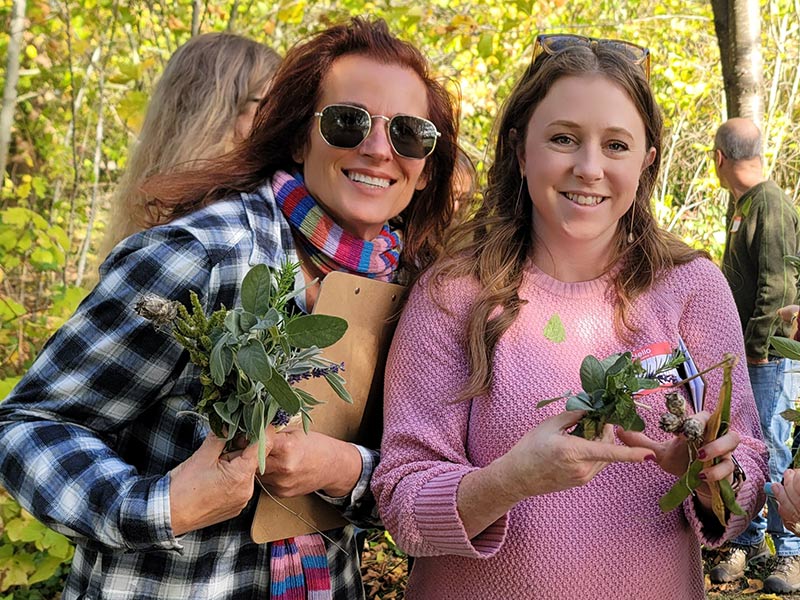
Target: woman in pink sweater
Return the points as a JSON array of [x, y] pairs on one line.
[[564, 260]]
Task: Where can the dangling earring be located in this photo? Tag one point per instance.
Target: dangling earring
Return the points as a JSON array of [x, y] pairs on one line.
[[631, 237], [519, 193]]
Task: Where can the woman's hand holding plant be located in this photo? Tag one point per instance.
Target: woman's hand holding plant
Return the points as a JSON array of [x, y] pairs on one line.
[[788, 496], [673, 455], [208, 488], [546, 459], [301, 463]]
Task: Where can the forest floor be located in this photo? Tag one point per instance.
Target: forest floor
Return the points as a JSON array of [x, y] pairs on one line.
[[385, 573]]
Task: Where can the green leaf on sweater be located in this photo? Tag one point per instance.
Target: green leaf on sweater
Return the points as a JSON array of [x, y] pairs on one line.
[[554, 330]]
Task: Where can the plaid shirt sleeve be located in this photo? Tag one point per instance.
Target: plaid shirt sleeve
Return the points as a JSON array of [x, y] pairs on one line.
[[359, 507], [96, 376]]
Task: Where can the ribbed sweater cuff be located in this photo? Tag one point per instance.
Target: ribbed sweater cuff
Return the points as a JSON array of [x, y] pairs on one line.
[[750, 496], [439, 523]]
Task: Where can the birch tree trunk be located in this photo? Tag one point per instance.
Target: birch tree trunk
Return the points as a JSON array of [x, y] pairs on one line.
[[196, 8], [232, 19], [98, 156], [12, 77], [738, 27]]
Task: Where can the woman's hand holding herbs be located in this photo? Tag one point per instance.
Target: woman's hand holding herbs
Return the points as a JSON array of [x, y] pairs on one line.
[[298, 463], [208, 488], [301, 463], [610, 387], [547, 459]]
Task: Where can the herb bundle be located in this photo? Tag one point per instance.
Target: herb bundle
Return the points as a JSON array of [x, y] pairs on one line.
[[609, 389], [250, 357]]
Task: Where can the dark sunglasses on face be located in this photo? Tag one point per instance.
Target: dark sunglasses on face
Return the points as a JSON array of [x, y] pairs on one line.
[[553, 43], [346, 126]]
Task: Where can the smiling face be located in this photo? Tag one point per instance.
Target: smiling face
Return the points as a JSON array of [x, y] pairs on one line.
[[364, 187], [585, 149]]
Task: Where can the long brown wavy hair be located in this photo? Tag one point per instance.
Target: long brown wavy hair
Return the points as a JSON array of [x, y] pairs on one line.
[[284, 122], [496, 245], [207, 83]]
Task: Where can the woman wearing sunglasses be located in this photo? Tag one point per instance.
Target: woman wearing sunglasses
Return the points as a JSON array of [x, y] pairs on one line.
[[348, 167], [491, 494]]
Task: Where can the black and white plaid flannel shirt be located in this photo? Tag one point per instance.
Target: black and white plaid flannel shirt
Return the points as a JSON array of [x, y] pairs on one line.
[[89, 434]]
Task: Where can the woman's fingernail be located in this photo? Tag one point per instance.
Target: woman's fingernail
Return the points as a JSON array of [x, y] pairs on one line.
[[650, 457], [702, 476], [768, 487], [701, 454]]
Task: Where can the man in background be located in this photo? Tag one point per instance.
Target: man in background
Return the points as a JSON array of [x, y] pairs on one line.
[[762, 229]]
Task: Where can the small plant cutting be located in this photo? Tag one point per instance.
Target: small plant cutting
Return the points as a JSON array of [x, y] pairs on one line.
[[609, 390], [250, 357]]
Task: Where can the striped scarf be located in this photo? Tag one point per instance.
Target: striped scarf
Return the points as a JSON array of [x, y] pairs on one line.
[[299, 569], [330, 247]]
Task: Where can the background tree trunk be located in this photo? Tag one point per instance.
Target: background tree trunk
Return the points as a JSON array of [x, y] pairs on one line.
[[93, 206], [12, 77], [738, 27], [232, 19], [196, 9]]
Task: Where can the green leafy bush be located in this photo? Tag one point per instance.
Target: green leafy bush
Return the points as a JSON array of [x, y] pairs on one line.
[[32, 556]]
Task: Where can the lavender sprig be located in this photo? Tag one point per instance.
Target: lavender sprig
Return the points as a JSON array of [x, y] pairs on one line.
[[315, 373]]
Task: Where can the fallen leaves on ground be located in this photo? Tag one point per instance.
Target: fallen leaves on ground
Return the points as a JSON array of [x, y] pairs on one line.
[[383, 568]]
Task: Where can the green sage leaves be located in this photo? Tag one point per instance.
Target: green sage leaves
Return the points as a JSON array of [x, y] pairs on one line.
[[609, 387], [251, 356]]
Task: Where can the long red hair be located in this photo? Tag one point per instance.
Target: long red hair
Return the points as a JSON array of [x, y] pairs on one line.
[[283, 125]]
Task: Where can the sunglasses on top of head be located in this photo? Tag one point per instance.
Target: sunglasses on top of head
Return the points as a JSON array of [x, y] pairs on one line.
[[553, 43], [346, 126]]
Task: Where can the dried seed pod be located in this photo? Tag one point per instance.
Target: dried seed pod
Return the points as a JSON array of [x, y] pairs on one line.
[[693, 430], [676, 404], [160, 311], [670, 423]]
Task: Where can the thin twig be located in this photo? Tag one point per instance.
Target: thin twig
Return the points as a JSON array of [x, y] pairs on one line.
[[730, 358], [283, 506]]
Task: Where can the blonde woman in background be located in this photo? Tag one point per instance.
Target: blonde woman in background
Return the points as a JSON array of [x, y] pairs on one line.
[[204, 102]]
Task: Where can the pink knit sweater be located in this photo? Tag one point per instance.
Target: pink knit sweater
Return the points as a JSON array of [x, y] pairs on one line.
[[605, 540]]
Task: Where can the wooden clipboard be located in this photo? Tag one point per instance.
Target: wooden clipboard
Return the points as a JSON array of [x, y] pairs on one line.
[[370, 308]]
